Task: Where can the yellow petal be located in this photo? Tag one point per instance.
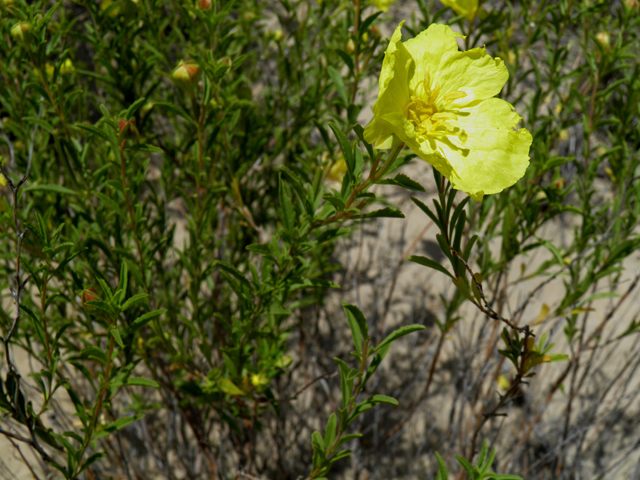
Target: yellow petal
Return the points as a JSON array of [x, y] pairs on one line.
[[383, 5], [429, 49], [496, 154], [404, 131], [473, 72], [393, 93], [468, 8]]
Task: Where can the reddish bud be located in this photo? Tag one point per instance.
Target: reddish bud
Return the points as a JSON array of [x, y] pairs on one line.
[[185, 75], [204, 4], [89, 295], [559, 183], [127, 128]]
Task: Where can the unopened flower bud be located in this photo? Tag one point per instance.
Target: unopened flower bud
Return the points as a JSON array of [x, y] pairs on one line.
[[89, 295], [559, 183], [350, 47], [604, 39], [127, 128], [204, 4], [67, 67], [564, 135], [531, 344], [21, 32], [186, 75], [631, 3]]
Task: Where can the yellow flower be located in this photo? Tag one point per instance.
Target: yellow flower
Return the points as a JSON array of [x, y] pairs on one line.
[[127, 8], [503, 383], [468, 8], [337, 170], [383, 5], [67, 67], [438, 101]]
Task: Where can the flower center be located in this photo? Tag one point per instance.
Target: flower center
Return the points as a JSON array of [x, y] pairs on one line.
[[428, 113]]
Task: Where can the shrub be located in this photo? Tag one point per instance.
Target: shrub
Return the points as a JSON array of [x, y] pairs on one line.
[[182, 181]]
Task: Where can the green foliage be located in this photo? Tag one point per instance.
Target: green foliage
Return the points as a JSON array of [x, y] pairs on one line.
[[171, 214]]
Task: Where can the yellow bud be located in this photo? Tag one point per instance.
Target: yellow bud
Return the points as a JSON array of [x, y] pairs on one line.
[[49, 69], [557, 109], [277, 35], [503, 383], [21, 32], [604, 39], [350, 47], [259, 381], [540, 196], [185, 75], [67, 67], [531, 344], [337, 170], [564, 135], [365, 37]]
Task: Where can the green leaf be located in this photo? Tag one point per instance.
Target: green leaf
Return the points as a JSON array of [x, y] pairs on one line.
[[426, 210], [93, 130], [92, 459], [377, 360], [286, 206], [401, 332], [175, 109], [337, 202], [117, 425], [377, 399], [132, 301], [50, 188], [345, 146], [345, 383], [345, 58], [143, 382], [145, 147], [427, 262], [348, 438], [317, 442], [330, 431], [131, 111], [443, 473], [403, 181], [340, 455], [143, 319], [115, 333], [466, 465], [386, 212], [338, 82], [356, 319], [227, 386]]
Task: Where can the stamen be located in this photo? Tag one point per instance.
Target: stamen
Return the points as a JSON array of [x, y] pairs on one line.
[[444, 116], [451, 96]]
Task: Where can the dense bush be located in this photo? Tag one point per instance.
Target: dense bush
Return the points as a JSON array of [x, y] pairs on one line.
[[183, 182]]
